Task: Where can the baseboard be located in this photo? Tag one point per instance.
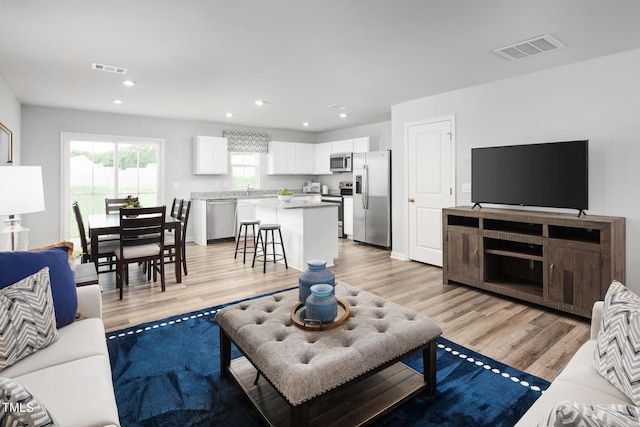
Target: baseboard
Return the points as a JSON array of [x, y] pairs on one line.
[[399, 256]]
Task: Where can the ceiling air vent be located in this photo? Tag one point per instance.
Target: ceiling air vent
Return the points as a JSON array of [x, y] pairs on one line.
[[109, 68], [530, 47]]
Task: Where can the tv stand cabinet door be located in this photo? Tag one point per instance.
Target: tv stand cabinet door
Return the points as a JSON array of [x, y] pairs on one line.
[[574, 277], [463, 252]]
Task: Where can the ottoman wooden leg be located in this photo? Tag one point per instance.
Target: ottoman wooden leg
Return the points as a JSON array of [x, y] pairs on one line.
[[299, 415], [225, 354], [429, 364]]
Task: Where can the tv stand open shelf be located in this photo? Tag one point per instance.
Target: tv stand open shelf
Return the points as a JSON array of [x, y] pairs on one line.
[[552, 259]]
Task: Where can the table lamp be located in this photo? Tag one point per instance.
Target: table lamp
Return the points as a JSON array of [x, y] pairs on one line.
[[21, 192]]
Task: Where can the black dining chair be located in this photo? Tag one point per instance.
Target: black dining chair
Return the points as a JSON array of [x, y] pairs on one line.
[[106, 248], [141, 241], [170, 238]]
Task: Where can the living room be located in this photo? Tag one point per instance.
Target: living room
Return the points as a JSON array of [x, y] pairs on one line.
[[594, 98]]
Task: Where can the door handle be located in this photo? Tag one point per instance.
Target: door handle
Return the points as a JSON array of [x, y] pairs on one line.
[[551, 268], [411, 200]]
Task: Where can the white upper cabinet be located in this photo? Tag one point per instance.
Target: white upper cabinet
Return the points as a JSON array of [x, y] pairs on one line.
[[361, 145], [210, 155], [281, 158], [344, 146], [321, 153], [304, 158], [290, 158]]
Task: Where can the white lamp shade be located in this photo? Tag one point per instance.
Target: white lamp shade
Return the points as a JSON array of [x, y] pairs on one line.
[[21, 190]]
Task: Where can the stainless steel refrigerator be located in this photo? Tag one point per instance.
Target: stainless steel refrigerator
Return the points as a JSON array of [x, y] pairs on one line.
[[372, 198]]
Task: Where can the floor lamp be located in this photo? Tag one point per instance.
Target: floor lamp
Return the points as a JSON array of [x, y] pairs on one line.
[[21, 192]]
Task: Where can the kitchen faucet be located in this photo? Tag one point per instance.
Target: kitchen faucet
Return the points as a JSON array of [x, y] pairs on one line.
[[249, 188]]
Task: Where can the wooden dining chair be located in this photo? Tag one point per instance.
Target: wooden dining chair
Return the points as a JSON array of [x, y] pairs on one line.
[[176, 206], [170, 240], [141, 241], [112, 206], [106, 249]]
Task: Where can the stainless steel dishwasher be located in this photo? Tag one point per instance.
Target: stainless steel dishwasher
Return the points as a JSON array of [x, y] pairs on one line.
[[221, 218]]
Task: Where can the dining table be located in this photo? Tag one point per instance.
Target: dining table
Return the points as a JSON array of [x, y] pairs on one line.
[[109, 224]]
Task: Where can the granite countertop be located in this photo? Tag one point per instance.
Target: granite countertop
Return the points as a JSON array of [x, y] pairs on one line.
[[253, 194], [275, 203]]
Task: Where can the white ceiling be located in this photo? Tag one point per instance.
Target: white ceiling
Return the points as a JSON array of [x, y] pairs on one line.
[[198, 59]]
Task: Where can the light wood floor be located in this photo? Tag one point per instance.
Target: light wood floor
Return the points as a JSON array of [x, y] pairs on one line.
[[531, 338]]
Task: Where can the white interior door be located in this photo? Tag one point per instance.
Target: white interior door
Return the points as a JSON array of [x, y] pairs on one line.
[[430, 187]]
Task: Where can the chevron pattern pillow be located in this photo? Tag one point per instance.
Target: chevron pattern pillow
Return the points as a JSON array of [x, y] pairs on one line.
[[27, 318], [617, 354], [585, 415], [20, 407]]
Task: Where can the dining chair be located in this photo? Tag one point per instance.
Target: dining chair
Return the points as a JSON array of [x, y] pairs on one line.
[[176, 206], [112, 206], [106, 248], [170, 240], [141, 241]]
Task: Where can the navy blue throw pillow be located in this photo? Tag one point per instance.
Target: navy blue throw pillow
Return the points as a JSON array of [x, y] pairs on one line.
[[15, 266]]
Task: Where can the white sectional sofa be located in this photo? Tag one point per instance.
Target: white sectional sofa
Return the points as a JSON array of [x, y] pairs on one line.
[[72, 376], [578, 381]]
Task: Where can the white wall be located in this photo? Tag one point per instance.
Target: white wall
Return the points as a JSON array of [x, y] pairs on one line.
[[598, 100], [41, 146]]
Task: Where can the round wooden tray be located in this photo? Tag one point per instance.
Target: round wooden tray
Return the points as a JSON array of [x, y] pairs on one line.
[[299, 311]]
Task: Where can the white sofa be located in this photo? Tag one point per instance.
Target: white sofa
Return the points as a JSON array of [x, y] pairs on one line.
[[578, 381], [72, 376]]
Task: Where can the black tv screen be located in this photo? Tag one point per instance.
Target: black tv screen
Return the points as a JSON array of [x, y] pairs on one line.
[[549, 175]]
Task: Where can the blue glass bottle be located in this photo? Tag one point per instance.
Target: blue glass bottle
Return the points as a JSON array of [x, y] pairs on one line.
[[322, 304], [315, 273]]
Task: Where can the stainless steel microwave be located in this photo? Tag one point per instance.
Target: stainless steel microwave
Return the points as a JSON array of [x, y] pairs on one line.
[[340, 162]]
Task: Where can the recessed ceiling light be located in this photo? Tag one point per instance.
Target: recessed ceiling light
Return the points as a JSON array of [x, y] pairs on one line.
[[229, 115], [258, 102], [117, 101], [129, 83], [305, 124], [343, 115]]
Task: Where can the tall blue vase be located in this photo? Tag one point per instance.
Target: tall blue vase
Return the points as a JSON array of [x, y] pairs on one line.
[[322, 304], [315, 273]]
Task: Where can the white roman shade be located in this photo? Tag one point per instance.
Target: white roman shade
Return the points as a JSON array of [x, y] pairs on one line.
[[247, 142]]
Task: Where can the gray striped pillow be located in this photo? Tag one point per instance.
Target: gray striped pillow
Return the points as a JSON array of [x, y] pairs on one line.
[[20, 407], [27, 318], [617, 353], [586, 415]]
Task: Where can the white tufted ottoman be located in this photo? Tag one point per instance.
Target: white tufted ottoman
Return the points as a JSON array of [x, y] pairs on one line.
[[304, 366]]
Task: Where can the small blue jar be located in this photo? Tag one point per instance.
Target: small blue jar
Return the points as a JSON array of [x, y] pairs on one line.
[[315, 273], [322, 304]]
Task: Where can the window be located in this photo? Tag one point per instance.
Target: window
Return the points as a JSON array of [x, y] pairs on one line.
[[245, 168], [96, 167]]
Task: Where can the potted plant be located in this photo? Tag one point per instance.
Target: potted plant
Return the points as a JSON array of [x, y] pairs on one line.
[[285, 195], [131, 202]]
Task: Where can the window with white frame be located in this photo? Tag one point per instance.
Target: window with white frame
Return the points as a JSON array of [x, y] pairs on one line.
[[96, 167], [245, 170]]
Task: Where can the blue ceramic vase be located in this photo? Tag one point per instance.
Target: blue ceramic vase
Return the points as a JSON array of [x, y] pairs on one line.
[[315, 273], [322, 304]]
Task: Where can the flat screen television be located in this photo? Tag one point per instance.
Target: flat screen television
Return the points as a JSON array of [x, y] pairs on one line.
[[552, 175]]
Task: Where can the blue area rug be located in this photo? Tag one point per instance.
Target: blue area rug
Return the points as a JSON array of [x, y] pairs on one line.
[[167, 373]]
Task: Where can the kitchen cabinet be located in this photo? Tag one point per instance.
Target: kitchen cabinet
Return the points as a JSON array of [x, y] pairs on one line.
[[321, 155], [281, 158], [246, 210], [361, 145], [210, 155], [304, 160], [347, 221], [343, 146], [290, 158]]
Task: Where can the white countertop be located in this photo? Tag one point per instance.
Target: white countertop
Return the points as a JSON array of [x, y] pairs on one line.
[[274, 203]]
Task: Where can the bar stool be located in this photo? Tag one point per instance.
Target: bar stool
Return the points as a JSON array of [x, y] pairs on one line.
[[262, 245], [246, 224]]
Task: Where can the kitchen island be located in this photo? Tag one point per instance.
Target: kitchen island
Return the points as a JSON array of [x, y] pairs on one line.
[[308, 228]]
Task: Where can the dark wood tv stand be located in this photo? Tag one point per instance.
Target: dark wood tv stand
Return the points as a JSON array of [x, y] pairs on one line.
[[553, 259]]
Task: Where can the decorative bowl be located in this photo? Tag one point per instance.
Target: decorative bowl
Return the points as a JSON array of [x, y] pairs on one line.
[[285, 198]]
